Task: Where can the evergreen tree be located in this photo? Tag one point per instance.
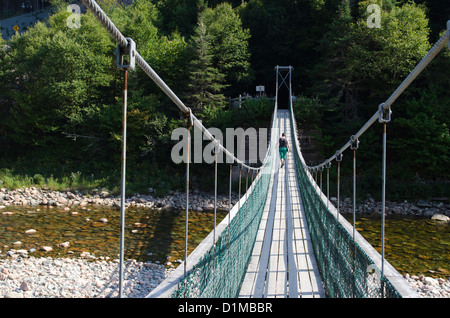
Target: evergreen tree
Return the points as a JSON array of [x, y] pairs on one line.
[[229, 46], [205, 81]]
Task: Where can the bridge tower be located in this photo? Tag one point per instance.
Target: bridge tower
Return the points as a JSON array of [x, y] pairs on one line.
[[283, 96]]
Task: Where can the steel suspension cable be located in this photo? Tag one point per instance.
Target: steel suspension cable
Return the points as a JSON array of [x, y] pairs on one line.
[[338, 159], [123, 178], [354, 146], [215, 192], [186, 217]]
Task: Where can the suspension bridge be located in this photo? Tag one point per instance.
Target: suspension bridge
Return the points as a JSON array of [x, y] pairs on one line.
[[283, 238]]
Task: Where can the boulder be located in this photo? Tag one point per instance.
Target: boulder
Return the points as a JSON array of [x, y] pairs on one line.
[[441, 217]]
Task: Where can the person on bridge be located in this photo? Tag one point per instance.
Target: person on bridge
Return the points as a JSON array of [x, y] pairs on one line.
[[283, 147]]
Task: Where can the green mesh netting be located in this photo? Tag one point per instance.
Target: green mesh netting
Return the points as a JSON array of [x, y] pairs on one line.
[[343, 265], [220, 272]]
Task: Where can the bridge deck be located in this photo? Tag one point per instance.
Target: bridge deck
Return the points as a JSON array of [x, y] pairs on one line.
[[282, 263]]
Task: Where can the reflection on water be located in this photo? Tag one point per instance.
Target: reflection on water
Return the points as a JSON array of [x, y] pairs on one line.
[[412, 245], [150, 235]]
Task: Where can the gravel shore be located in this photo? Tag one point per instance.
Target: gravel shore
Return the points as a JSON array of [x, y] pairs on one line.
[[198, 201], [428, 287], [29, 277]]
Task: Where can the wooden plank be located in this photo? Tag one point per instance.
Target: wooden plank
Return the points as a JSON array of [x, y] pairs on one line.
[[254, 281], [281, 289], [260, 283], [281, 264], [272, 271], [290, 237]]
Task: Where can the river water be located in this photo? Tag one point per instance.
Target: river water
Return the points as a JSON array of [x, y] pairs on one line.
[[413, 245], [150, 235]]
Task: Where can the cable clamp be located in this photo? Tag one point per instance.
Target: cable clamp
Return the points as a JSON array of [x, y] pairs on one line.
[[338, 156], [187, 118], [384, 114], [328, 165], [354, 143], [217, 147], [126, 56]]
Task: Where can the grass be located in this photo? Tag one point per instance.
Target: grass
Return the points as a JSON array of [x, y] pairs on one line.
[[12, 180], [162, 181]]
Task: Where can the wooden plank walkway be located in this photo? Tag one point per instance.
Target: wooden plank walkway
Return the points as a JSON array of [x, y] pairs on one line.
[[282, 262]]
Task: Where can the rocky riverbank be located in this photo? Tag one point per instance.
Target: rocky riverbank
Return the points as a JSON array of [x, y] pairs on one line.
[[29, 277], [428, 287], [421, 208], [198, 201]]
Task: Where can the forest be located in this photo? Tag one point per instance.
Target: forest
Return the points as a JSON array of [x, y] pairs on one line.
[[61, 91]]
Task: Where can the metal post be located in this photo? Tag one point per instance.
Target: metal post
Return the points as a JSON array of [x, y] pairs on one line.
[[290, 89], [338, 159], [276, 83], [328, 165], [246, 186], [215, 194], [321, 170], [188, 124], [186, 218], [121, 52], [354, 144], [122, 199], [383, 208], [239, 202], [338, 188], [239, 209], [328, 185], [384, 116], [354, 192], [229, 204]]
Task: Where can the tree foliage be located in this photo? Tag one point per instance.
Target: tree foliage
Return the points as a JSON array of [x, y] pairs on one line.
[[205, 81], [61, 91]]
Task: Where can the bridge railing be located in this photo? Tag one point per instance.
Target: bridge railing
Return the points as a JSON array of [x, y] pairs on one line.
[[349, 265], [217, 266]]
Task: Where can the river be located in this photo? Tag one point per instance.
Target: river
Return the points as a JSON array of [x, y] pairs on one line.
[[414, 245]]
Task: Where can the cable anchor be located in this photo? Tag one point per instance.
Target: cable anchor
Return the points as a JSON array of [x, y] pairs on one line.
[[384, 114], [126, 56], [187, 118], [354, 143]]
